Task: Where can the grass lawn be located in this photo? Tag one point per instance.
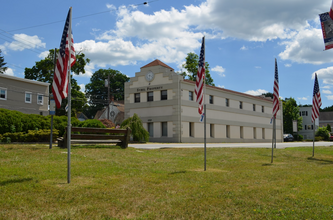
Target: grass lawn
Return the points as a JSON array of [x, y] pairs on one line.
[[108, 182]]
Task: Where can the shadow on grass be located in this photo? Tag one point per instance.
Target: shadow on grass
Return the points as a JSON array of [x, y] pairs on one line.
[[177, 172], [267, 164], [322, 162], [3, 183], [97, 147]]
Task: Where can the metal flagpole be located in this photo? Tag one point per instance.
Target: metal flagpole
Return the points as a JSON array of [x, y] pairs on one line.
[[205, 139], [69, 102], [274, 134], [314, 131]]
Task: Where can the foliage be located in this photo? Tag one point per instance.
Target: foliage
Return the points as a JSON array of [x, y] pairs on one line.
[[191, 65], [98, 93], [139, 133], [290, 113], [2, 64], [268, 94], [323, 132], [329, 127], [92, 123], [31, 136], [327, 109], [43, 72]]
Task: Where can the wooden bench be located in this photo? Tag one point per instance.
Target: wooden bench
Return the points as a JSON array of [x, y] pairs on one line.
[[97, 136]]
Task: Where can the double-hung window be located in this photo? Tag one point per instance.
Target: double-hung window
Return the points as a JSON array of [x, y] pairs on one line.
[[28, 97], [3, 94]]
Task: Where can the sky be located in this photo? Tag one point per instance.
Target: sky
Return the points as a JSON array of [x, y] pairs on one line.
[[242, 39]]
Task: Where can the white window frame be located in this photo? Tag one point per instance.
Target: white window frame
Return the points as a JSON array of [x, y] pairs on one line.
[[38, 101], [25, 97], [3, 89]]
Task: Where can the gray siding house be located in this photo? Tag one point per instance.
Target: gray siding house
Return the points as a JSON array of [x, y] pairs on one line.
[[24, 95]]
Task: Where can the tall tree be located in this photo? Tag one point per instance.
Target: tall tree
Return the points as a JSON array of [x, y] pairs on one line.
[[290, 113], [2, 64], [43, 72], [268, 94], [191, 65], [98, 93]]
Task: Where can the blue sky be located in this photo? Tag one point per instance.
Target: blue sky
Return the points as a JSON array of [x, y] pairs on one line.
[[242, 39]]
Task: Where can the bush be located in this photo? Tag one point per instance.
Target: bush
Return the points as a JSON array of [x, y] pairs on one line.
[[298, 137], [138, 131], [31, 136], [92, 123], [323, 133]]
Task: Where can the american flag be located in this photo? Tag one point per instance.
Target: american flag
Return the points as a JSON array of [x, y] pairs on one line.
[[276, 105], [200, 78], [316, 100], [66, 53]]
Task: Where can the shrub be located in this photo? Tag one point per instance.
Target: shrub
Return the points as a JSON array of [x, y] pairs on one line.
[[92, 123], [31, 136], [139, 133], [323, 133]]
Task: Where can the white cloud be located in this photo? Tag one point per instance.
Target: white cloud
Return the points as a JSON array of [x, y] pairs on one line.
[[327, 92], [44, 54], [325, 87], [244, 48], [257, 67], [220, 70], [9, 71], [23, 41], [302, 98], [82, 87], [287, 65], [221, 86], [329, 97], [325, 74], [256, 92]]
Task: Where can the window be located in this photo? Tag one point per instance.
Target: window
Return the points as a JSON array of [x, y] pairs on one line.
[[211, 130], [3, 94], [305, 127], [227, 130], [28, 97], [241, 132], [310, 127], [150, 96], [40, 99], [190, 95], [137, 97], [227, 102], [262, 109], [164, 94], [254, 107], [211, 99], [151, 129], [241, 105], [164, 129], [304, 113], [191, 129], [263, 133], [254, 133]]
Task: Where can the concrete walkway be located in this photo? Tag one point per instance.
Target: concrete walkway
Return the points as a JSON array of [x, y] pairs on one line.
[[212, 145]]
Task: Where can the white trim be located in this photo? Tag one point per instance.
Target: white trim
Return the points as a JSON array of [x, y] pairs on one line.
[[40, 102], [25, 97], [5, 89]]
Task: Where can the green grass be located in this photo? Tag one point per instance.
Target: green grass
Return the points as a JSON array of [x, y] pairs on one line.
[[108, 182]]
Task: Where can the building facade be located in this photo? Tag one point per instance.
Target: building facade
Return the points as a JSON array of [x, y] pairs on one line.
[[24, 95], [166, 104], [307, 124]]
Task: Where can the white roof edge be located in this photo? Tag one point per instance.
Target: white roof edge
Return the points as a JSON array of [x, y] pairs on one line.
[[24, 80]]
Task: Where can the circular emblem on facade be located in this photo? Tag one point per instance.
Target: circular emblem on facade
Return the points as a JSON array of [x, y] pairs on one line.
[[112, 113], [149, 76]]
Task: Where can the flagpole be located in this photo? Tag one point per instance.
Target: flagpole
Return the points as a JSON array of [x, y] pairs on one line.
[[273, 138], [69, 131], [314, 131], [205, 139]]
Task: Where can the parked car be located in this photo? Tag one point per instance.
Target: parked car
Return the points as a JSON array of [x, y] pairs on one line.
[[288, 137], [331, 136]]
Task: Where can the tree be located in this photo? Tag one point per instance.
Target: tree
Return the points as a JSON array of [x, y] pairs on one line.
[[329, 127], [268, 94], [98, 93], [290, 113], [43, 72], [2, 63], [191, 65], [327, 109], [139, 133]]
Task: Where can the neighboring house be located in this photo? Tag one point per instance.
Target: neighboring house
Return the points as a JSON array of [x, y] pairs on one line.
[[326, 118], [166, 104], [24, 95], [116, 112], [307, 125], [81, 116]]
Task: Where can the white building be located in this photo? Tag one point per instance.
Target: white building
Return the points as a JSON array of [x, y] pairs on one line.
[[166, 104], [307, 125]]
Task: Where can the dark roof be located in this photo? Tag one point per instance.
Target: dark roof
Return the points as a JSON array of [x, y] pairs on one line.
[[238, 93], [323, 116], [156, 63]]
